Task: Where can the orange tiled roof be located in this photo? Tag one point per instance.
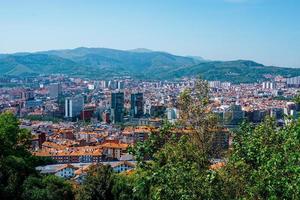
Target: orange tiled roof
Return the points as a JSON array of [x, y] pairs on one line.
[[53, 145], [217, 165], [66, 166], [114, 145]]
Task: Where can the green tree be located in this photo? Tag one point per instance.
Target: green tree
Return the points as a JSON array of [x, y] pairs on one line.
[[145, 150], [16, 162], [123, 187], [179, 164], [296, 98], [265, 162], [98, 184], [195, 115], [48, 187], [176, 172]]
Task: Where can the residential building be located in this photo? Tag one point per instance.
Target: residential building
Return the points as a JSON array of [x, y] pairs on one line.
[[66, 171]]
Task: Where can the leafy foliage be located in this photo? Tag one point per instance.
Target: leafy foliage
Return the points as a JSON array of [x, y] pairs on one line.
[[176, 172], [98, 184], [265, 162], [123, 187], [179, 166], [47, 187], [145, 150], [196, 117], [16, 162]]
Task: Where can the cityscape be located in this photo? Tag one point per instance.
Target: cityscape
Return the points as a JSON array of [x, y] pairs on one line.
[[149, 100], [82, 121]]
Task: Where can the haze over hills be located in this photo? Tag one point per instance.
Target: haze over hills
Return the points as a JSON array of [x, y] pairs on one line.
[[140, 63]]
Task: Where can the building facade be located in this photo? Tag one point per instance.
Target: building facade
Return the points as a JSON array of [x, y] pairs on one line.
[[117, 107], [137, 105], [73, 106]]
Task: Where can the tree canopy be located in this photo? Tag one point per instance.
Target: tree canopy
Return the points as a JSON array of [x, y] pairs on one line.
[[265, 162], [18, 177]]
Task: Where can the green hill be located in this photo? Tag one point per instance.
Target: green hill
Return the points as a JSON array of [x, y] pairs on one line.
[[142, 64]]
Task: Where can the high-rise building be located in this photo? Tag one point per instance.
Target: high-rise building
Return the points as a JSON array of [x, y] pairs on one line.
[[103, 84], [137, 105], [120, 85], [267, 85], [157, 110], [117, 107], [171, 114], [27, 94], [113, 84], [214, 84], [73, 106], [293, 81], [54, 90]]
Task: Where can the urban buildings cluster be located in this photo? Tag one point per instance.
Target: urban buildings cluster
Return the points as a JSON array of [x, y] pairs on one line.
[[78, 121]]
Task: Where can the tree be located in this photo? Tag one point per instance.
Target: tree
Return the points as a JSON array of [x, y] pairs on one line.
[[123, 187], [16, 162], [296, 99], [179, 164], [145, 150], [98, 184], [195, 115], [174, 173], [265, 163], [48, 187]]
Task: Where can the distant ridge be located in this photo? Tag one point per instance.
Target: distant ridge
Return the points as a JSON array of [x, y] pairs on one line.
[[105, 63], [140, 50]]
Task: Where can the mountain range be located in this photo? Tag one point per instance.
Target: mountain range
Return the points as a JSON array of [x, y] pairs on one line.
[[104, 63]]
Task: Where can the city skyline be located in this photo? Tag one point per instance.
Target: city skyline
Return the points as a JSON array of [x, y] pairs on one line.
[[161, 99], [259, 30]]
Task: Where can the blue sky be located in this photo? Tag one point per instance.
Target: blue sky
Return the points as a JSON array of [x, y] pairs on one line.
[[267, 31]]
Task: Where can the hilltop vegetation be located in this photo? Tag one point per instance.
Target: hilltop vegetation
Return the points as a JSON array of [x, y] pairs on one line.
[[140, 63]]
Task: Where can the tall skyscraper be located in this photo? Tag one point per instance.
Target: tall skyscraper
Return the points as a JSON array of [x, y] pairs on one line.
[[54, 90], [117, 107], [120, 85], [137, 105], [73, 106]]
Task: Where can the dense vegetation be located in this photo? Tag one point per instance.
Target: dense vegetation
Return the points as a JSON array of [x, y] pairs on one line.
[[263, 163], [18, 178], [239, 71], [108, 63]]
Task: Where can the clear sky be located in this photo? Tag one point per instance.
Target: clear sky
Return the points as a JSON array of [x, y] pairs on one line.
[[267, 31]]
